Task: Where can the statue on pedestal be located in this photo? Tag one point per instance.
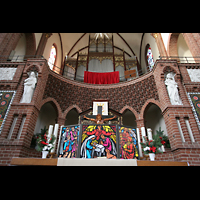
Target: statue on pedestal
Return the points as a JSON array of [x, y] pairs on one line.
[[29, 87], [99, 119], [172, 88]]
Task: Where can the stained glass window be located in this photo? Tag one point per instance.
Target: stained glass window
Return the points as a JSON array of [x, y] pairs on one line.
[[52, 57], [150, 59]]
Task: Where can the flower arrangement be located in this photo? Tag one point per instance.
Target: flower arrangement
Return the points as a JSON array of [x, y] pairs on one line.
[[43, 142], [164, 139], [151, 146]]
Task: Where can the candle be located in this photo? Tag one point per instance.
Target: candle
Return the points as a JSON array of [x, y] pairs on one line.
[[149, 132], [55, 133], [143, 133], [49, 133], [139, 145]]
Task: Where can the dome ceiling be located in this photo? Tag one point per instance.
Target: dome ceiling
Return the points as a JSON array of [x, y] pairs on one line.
[[72, 42]]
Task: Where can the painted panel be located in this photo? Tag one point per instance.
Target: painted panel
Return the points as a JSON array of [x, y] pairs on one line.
[[194, 99], [128, 143], [98, 141], [68, 147], [6, 98]]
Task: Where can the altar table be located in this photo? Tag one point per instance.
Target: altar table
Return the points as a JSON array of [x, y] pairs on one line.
[[90, 162]]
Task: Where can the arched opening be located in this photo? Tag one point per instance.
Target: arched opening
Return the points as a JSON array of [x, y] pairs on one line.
[[72, 117], [153, 119], [128, 118], [48, 116], [178, 48]]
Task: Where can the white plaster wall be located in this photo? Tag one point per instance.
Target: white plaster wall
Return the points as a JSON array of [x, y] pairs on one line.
[[183, 50], [53, 39], [37, 39], [20, 49], [165, 37]]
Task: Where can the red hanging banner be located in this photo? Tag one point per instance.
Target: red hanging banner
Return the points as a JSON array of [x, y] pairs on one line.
[[101, 78]]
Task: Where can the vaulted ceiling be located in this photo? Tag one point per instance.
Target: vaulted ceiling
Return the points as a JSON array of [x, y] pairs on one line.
[[130, 42]]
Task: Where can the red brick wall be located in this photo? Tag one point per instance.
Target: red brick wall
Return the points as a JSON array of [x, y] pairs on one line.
[[135, 95], [66, 94]]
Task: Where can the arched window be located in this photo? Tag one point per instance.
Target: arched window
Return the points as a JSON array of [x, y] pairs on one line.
[[52, 57], [149, 56]]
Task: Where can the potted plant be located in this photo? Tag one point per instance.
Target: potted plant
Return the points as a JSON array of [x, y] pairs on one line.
[[151, 147], [164, 139], [45, 144]]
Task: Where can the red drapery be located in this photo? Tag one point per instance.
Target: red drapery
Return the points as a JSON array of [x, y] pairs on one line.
[[101, 78]]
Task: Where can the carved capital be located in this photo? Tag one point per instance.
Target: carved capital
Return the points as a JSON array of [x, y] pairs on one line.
[[155, 35], [48, 35]]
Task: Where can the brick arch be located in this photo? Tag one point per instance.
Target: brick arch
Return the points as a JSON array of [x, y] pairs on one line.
[[172, 49], [54, 103], [147, 104], [131, 109], [168, 69], [33, 68], [70, 108]]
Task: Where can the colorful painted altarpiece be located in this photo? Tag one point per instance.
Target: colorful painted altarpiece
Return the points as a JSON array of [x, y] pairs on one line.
[[99, 141], [6, 98], [128, 143]]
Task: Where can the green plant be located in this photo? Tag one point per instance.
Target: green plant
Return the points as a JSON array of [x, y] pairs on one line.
[[164, 138], [44, 143], [151, 146]]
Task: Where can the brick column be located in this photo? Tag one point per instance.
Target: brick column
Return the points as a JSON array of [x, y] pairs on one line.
[[160, 44]]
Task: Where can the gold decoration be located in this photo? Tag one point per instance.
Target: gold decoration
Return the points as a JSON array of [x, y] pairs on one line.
[[48, 35], [155, 35], [101, 58]]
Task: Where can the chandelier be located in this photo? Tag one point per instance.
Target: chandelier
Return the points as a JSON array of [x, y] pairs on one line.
[[97, 35]]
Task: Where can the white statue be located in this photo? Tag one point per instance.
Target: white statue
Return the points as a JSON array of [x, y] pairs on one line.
[[29, 87], [172, 88]]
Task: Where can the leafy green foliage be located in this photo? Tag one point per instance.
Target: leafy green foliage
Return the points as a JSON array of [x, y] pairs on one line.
[[42, 140], [164, 137], [151, 146]]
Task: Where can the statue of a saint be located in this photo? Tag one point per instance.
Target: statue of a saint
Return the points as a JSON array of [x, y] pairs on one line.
[[172, 88], [99, 119], [29, 87]]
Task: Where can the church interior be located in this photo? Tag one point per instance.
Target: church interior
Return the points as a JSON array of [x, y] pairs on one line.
[[140, 83]]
